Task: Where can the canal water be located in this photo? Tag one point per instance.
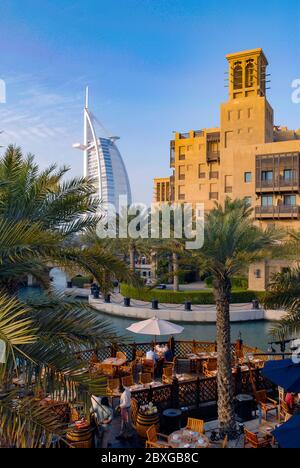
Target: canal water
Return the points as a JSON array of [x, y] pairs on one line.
[[255, 334]]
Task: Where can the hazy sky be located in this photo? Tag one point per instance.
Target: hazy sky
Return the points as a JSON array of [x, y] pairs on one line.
[[153, 67]]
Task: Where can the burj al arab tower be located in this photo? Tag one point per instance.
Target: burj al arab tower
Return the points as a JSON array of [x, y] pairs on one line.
[[102, 161]]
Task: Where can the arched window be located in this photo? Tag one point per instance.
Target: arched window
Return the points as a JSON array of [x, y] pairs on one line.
[[250, 74], [238, 76]]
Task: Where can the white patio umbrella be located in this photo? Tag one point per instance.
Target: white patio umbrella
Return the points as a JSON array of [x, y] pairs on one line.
[[155, 326]]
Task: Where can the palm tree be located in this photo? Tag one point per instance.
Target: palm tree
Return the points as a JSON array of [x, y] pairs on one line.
[[284, 290], [284, 293], [232, 242], [44, 197], [41, 339], [39, 215]]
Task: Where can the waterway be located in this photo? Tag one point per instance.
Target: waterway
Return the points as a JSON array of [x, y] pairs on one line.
[[255, 334]]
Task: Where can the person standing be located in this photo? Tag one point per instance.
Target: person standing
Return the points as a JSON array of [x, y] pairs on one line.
[[104, 416], [125, 406]]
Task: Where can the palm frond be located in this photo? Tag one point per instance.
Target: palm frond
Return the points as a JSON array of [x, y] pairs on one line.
[[25, 423]]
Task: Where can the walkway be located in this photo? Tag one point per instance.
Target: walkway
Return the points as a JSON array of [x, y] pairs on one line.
[[175, 312]]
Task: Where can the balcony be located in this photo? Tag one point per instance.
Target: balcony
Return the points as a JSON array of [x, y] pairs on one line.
[[213, 156], [172, 153], [278, 184], [213, 147], [277, 212], [285, 169]]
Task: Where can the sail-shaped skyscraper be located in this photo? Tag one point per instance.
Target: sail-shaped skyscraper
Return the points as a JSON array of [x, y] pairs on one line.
[[102, 161]]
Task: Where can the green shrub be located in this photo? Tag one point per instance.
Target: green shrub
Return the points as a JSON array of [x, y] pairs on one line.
[[80, 281], [195, 297], [238, 282]]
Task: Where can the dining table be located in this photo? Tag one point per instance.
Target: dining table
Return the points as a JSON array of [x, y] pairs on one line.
[[185, 439], [115, 362], [197, 360]]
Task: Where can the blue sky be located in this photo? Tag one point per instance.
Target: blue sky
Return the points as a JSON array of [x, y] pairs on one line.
[[153, 66]]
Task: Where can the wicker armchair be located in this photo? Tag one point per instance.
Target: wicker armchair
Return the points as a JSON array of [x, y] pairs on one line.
[[153, 439], [106, 369], [112, 386], [134, 412], [252, 440], [121, 355], [167, 376], [127, 381], [285, 412], [196, 425], [145, 378], [128, 369], [148, 367], [267, 404], [139, 355], [210, 367]]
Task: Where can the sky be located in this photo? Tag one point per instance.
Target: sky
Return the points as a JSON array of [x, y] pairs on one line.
[[153, 67]]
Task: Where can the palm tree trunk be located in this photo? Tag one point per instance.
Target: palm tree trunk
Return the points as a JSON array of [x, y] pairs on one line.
[[170, 270], [132, 257], [175, 272], [226, 414]]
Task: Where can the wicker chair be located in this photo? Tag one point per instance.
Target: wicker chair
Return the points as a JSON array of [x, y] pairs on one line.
[[210, 367], [167, 376], [112, 386], [267, 404], [148, 367], [285, 412], [252, 440], [139, 355], [134, 412], [145, 378], [128, 369], [220, 444], [121, 355], [107, 369], [196, 425], [153, 439], [127, 381]]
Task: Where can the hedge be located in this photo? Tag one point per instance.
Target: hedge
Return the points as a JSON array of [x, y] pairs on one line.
[[195, 297], [238, 282], [80, 281]]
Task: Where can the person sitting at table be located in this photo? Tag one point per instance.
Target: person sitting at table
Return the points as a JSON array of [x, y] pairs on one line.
[[168, 355], [151, 355], [290, 401], [104, 416]]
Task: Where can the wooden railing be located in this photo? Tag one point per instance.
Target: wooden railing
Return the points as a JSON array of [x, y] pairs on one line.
[[180, 349], [192, 393]]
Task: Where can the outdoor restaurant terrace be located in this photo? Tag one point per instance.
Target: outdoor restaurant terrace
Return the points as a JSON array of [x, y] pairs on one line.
[[179, 398]]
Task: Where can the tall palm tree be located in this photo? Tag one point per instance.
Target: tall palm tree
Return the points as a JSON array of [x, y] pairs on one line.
[[232, 242]]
